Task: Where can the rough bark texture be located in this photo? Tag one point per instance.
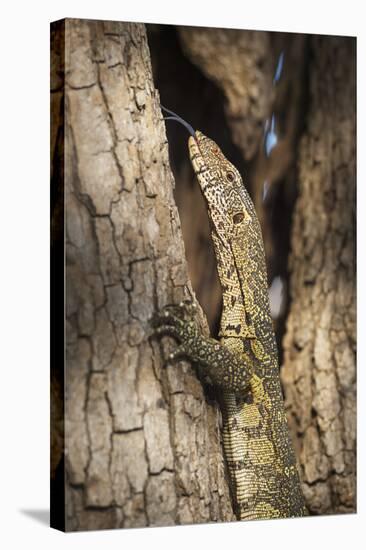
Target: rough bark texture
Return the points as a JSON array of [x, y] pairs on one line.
[[142, 444], [319, 374]]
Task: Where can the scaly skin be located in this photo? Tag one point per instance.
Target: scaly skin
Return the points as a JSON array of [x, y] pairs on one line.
[[243, 364]]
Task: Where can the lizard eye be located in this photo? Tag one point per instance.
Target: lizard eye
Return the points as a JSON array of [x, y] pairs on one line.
[[237, 218], [230, 176]]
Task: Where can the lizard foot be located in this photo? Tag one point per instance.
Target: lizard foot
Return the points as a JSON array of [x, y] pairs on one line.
[[216, 362], [176, 321]]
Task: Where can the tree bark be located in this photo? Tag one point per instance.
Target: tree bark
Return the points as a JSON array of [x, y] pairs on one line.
[[319, 372], [142, 442]]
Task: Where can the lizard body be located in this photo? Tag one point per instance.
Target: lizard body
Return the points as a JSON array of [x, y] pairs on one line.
[[243, 364]]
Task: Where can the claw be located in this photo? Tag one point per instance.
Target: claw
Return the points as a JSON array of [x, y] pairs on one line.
[[185, 309], [179, 353], [168, 318], [166, 330]]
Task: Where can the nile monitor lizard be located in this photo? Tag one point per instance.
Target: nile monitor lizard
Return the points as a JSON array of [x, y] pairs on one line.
[[243, 365]]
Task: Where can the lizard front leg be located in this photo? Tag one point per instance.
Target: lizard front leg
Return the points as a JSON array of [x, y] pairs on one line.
[[226, 369]]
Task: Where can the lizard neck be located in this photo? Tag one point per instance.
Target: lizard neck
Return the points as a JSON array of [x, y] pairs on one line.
[[235, 322], [243, 275]]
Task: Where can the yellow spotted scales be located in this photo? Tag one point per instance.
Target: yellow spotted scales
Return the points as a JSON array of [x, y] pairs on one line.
[[243, 365]]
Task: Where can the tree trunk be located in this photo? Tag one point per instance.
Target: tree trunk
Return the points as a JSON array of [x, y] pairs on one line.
[[142, 442], [319, 374]]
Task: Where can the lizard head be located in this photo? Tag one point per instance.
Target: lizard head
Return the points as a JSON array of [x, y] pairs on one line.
[[229, 206]]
